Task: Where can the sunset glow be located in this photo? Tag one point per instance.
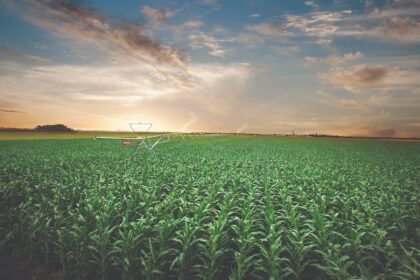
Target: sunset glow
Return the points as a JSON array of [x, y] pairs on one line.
[[334, 67]]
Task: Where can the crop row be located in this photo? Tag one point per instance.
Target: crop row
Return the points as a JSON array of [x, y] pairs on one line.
[[213, 208]]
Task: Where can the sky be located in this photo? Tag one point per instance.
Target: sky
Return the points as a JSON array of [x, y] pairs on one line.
[[252, 66]]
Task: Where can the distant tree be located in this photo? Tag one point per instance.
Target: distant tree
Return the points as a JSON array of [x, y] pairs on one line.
[[54, 128]]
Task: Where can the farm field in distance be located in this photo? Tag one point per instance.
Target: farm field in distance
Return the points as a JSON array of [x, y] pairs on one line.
[[32, 134], [227, 207]]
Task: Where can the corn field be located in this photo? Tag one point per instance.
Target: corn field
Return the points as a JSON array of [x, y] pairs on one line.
[[231, 207]]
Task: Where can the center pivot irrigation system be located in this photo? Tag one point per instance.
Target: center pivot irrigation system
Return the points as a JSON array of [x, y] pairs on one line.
[[147, 142]]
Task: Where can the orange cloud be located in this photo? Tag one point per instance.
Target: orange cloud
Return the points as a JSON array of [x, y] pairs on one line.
[[359, 76]]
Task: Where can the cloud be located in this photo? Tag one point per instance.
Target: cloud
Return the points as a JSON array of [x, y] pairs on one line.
[[220, 29], [406, 30], [311, 4], [369, 102], [213, 73], [289, 51], [75, 21], [407, 2], [326, 42], [124, 84], [156, 15], [269, 29], [9, 54], [359, 76], [250, 40], [396, 25], [319, 24], [8, 107], [193, 23], [126, 91], [200, 39], [378, 14], [211, 41], [374, 78], [254, 15], [337, 102], [55, 83], [9, 111], [218, 96], [333, 60]]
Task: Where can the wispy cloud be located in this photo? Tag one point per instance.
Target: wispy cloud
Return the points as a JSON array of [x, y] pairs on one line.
[[334, 60], [9, 54], [405, 30], [319, 24], [406, 2], [311, 4], [397, 25], [194, 23], [288, 50], [249, 40], [9, 111], [269, 29], [124, 84], [155, 15], [129, 91], [200, 39], [75, 21], [337, 102], [368, 103]]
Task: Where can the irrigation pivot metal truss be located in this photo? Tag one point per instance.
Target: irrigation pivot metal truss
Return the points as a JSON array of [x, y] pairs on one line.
[[150, 142], [146, 142]]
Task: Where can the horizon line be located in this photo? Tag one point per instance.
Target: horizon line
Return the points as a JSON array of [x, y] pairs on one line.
[[315, 134]]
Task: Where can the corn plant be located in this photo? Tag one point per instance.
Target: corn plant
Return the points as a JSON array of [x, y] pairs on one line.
[[231, 207]]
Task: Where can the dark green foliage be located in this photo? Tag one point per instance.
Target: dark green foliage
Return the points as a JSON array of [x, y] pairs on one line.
[[237, 207], [54, 128]]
